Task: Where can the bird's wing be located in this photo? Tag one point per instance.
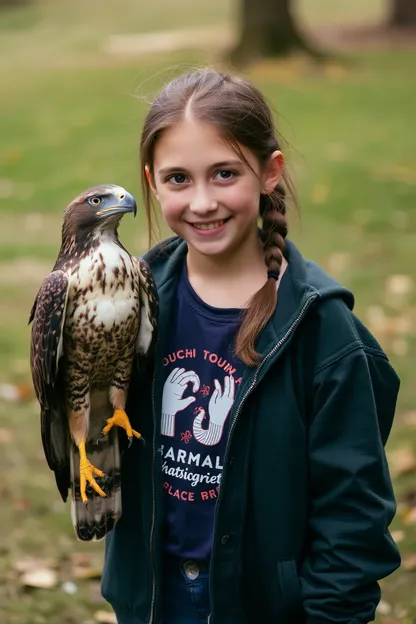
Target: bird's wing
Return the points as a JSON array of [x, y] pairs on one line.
[[46, 350], [149, 308]]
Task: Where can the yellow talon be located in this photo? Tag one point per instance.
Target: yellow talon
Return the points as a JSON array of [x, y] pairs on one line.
[[87, 471], [120, 419]]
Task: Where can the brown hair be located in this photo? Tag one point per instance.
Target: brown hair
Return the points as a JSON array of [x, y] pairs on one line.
[[240, 112]]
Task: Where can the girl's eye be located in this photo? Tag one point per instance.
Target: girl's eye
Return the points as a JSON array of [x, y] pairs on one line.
[[225, 174], [177, 178], [94, 201]]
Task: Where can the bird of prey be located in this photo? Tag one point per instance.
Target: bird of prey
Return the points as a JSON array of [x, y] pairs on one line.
[[94, 315]]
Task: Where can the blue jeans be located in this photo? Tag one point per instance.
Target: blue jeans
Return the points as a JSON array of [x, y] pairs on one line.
[[185, 592]]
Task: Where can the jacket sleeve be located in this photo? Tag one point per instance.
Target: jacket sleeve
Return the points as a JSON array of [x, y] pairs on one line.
[[352, 501]]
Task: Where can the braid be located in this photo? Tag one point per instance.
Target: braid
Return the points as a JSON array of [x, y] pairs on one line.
[[272, 211], [274, 231]]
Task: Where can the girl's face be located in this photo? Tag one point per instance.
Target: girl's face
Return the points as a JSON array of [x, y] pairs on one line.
[[208, 195]]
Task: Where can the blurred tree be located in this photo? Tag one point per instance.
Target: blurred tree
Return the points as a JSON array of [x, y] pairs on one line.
[[9, 4], [403, 13], [268, 28]]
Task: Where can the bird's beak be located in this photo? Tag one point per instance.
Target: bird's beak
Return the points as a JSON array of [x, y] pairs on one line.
[[119, 203]]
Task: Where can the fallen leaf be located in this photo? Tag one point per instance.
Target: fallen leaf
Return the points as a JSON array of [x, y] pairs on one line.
[[384, 608], [409, 563], [402, 461], [21, 504], [376, 318], [41, 578], [105, 617], [12, 393], [399, 285], [29, 564], [409, 516], [398, 536], [68, 587], [409, 418], [6, 435], [87, 573], [80, 559]]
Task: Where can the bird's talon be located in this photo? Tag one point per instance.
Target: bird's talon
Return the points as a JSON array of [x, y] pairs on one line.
[[121, 419]]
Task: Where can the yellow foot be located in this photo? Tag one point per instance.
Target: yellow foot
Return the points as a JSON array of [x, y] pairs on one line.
[[121, 419], [87, 472]]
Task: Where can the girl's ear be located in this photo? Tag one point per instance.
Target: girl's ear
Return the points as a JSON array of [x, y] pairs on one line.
[[273, 172], [151, 181]]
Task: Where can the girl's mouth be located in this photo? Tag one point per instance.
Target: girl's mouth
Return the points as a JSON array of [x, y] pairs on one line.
[[212, 225]]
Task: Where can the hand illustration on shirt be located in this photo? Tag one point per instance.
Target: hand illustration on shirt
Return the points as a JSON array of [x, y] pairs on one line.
[[172, 401], [219, 407]]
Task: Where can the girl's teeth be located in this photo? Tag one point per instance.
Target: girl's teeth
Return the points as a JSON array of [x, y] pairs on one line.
[[208, 226]]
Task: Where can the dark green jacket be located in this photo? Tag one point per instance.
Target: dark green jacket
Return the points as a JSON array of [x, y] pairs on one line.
[[305, 500]]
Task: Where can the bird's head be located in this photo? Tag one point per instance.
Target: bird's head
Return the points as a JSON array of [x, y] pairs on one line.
[[98, 209]]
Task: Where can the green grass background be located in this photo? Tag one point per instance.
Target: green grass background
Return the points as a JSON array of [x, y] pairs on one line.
[[70, 117]]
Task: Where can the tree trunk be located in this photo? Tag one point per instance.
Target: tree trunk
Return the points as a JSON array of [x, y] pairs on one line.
[[268, 29], [403, 13], [12, 4]]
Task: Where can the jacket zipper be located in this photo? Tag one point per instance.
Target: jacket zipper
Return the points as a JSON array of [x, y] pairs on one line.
[[152, 527], [277, 346], [249, 390]]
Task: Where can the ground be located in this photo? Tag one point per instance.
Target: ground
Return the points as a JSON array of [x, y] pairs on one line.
[[71, 112]]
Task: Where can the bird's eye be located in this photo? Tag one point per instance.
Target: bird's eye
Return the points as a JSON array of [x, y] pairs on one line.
[[94, 201]]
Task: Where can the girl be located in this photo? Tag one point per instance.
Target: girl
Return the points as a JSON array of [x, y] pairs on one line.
[[263, 493]]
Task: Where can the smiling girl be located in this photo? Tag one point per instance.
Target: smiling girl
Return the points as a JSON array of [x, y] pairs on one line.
[[263, 493]]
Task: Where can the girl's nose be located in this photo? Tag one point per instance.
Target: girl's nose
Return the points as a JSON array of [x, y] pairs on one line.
[[201, 203]]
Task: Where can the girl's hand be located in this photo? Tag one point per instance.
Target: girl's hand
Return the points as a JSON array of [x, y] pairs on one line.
[[219, 407], [172, 401]]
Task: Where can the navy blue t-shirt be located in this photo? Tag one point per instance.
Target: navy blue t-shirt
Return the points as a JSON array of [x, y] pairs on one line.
[[201, 381]]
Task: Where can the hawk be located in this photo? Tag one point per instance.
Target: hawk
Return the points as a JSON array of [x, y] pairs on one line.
[[94, 315]]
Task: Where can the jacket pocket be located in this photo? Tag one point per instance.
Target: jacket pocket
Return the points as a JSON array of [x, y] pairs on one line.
[[289, 586]]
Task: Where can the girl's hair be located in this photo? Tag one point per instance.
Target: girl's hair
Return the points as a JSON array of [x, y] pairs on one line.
[[241, 114]]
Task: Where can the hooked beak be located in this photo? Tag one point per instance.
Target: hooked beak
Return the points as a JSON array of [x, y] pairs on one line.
[[119, 203]]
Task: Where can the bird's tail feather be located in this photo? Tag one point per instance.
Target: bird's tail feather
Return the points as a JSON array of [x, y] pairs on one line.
[[92, 521]]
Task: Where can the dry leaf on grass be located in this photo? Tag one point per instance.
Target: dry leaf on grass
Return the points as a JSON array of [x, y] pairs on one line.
[[398, 536], [105, 617], [12, 393], [384, 608], [31, 564], [402, 461], [41, 579], [6, 435], [409, 563], [399, 285], [80, 559], [409, 418], [68, 587], [87, 573]]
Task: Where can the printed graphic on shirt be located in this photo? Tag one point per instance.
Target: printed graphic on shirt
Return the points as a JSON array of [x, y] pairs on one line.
[[218, 407], [194, 424]]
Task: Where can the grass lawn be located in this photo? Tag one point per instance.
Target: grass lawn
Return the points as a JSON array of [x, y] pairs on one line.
[[71, 117]]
